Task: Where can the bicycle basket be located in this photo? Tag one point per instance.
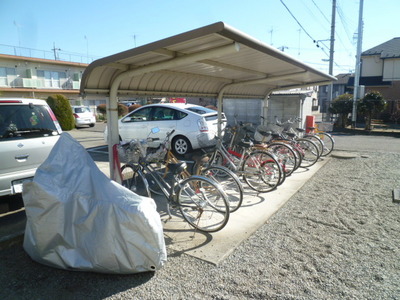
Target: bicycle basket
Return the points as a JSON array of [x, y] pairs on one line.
[[126, 154], [132, 151], [156, 154]]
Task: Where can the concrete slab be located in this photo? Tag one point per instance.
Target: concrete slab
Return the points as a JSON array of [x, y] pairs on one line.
[[255, 211], [344, 154]]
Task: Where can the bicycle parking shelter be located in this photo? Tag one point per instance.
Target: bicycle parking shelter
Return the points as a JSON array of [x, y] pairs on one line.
[[212, 61]]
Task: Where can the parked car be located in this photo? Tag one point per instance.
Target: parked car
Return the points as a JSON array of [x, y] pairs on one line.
[[28, 132], [83, 116], [195, 126]]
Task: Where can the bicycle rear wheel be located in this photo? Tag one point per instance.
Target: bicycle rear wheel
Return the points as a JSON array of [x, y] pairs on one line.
[[286, 156], [203, 203], [316, 139], [229, 181], [261, 171], [329, 143], [134, 179], [310, 152]]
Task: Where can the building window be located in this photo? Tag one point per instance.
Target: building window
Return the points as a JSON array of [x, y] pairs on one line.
[[51, 79], [7, 76]]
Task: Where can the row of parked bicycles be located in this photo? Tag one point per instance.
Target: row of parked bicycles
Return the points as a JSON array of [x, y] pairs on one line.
[[257, 157]]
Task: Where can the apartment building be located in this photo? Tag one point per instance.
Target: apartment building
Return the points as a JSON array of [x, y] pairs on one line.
[[32, 77]]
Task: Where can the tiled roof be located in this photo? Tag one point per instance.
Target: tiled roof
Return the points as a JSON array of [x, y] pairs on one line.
[[389, 49], [343, 78]]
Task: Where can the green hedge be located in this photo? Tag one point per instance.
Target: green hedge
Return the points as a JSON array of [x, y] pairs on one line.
[[63, 111]]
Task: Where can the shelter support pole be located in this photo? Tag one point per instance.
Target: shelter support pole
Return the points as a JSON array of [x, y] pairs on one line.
[[265, 109], [219, 105], [112, 127]]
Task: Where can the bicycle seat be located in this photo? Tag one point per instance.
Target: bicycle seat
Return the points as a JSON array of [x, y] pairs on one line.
[[245, 144], [300, 129], [275, 135], [312, 128], [265, 133], [291, 134], [177, 168]]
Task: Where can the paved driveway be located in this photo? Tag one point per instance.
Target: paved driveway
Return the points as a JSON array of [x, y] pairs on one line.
[[362, 142]]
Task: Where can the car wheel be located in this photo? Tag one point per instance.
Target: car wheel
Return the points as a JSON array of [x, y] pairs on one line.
[[181, 145], [91, 125]]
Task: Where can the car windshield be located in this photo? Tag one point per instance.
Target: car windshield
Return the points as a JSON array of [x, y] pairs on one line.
[[18, 121]]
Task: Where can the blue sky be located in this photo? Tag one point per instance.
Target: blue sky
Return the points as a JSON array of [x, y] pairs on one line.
[[101, 28]]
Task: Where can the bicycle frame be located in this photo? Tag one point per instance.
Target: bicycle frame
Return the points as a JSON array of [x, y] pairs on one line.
[[165, 187]]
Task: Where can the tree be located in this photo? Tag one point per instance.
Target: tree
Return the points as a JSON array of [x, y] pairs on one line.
[[372, 103], [395, 116], [62, 109], [342, 105]]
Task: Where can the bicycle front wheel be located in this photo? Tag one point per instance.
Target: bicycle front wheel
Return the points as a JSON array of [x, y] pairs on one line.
[[203, 203], [135, 180], [261, 171], [230, 182]]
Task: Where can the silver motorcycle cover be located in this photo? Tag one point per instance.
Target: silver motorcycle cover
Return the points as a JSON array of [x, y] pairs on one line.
[[79, 219]]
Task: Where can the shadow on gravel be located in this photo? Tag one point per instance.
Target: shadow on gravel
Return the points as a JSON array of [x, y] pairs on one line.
[[43, 282]]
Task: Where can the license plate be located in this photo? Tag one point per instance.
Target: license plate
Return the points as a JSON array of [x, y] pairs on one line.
[[18, 184]]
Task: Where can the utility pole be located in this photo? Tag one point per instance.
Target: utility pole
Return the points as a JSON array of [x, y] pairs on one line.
[[87, 49], [55, 51], [331, 52], [358, 65], [271, 32]]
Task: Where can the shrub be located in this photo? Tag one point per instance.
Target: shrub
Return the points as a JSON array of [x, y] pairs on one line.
[[62, 110], [133, 107], [102, 109], [372, 103], [122, 110], [343, 106]]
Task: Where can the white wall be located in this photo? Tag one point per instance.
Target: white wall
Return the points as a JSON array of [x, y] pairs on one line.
[[283, 106], [391, 69], [371, 66], [246, 110]]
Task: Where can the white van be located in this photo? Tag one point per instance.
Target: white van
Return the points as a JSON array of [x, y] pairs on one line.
[[28, 132]]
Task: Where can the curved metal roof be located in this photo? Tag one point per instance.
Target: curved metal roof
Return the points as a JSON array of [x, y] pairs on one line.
[[202, 62], [211, 61]]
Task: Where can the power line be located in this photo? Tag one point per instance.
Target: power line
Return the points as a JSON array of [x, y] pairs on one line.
[[321, 11], [301, 26]]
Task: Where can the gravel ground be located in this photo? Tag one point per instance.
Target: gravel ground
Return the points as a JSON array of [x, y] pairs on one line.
[[337, 238]]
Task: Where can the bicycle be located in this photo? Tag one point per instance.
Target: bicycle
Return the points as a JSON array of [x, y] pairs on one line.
[[201, 201], [259, 169], [309, 150], [225, 177], [285, 154], [324, 140]]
